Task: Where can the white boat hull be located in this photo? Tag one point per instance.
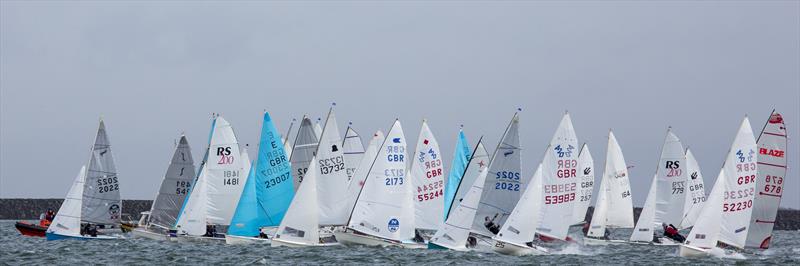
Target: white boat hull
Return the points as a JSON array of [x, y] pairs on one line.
[[277, 242], [144, 233], [198, 239], [349, 238], [664, 242], [517, 250], [692, 251], [244, 240], [602, 242]]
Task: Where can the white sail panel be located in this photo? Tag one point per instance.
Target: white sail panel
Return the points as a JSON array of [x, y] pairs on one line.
[[357, 182], [332, 178], [740, 173], [427, 177], [384, 207], [177, 183], [305, 146], [598, 224], [455, 231], [671, 182], [769, 181], [620, 213], [477, 162], [101, 201], [705, 232], [353, 151], [318, 128], [696, 196], [586, 187], [559, 181], [68, 218], [643, 232], [192, 219], [226, 172], [504, 183], [521, 226], [301, 222]]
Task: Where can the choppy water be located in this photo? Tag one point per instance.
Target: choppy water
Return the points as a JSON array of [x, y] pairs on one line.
[[16, 250]]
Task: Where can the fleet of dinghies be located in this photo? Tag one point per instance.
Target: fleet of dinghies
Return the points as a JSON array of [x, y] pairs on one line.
[[321, 189]]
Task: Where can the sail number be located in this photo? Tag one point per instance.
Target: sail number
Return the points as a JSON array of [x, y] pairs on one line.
[[774, 185], [182, 187], [394, 177], [107, 184], [430, 191], [737, 206], [558, 199], [678, 187], [230, 178], [331, 165], [277, 180]]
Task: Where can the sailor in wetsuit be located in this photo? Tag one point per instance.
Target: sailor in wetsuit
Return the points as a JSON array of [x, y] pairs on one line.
[[490, 225]]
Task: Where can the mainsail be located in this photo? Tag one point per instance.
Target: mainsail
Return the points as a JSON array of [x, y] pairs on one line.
[[696, 196], [68, 218], [301, 223], [332, 178], [305, 144], [427, 177], [769, 181], [504, 183], [586, 188], [614, 207], [559, 178], [353, 150], [457, 169], [384, 207], [454, 232], [521, 226], [101, 201], [177, 183], [478, 161], [360, 176]]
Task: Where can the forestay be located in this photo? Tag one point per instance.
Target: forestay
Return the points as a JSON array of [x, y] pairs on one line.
[[428, 181], [769, 181], [726, 214], [454, 232], [696, 196], [521, 226], [101, 201], [504, 183], [301, 223], [384, 207], [305, 145], [457, 169], [559, 178], [586, 188], [68, 218], [332, 178], [353, 151], [177, 183]]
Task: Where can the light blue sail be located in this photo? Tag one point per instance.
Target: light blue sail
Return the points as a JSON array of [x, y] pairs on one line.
[[248, 218], [459, 165], [199, 170]]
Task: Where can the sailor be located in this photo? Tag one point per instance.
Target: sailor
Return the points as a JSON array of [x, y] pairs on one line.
[[490, 225]]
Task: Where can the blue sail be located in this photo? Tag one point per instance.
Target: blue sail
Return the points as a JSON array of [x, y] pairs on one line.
[[460, 162], [248, 218], [199, 170], [275, 188]]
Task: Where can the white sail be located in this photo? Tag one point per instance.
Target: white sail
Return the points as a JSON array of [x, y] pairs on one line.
[[586, 187], [225, 174], [521, 226], [332, 177], [305, 145], [318, 128], [769, 181], [360, 175], [726, 215], [614, 207], [287, 146], [68, 218], [477, 162], [504, 184], [559, 178], [101, 201], [643, 232], [176, 184], [696, 196], [455, 231], [671, 182], [384, 207], [427, 177], [353, 151], [192, 220], [301, 222]]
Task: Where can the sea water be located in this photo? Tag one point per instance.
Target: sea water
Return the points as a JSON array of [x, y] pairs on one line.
[[16, 249]]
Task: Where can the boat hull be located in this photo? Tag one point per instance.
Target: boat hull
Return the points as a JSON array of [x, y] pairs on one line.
[[507, 248], [144, 233], [349, 238], [198, 239], [277, 242], [245, 240], [602, 242], [29, 229], [692, 251], [54, 236]]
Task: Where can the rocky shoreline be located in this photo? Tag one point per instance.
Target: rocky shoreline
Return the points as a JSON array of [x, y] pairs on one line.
[[29, 209]]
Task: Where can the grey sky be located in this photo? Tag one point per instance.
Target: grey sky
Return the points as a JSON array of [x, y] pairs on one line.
[[155, 69]]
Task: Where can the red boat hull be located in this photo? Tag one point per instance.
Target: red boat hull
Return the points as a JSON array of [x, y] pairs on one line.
[[29, 229]]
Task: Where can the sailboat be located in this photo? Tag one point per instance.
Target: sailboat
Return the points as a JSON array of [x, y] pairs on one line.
[[427, 178], [769, 181], [559, 181], [93, 199], [360, 175], [383, 214], [502, 187], [267, 192], [726, 214], [586, 188], [516, 236], [305, 144], [454, 233], [177, 183], [614, 206], [667, 195], [217, 189], [696, 196], [457, 168], [353, 150]]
